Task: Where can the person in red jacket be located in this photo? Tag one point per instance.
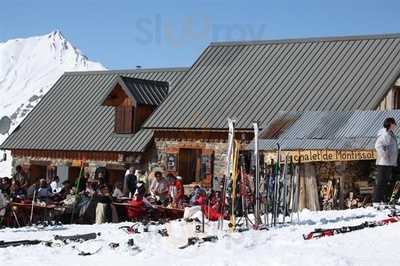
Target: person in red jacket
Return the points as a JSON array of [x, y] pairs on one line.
[[209, 211], [139, 208], [180, 193]]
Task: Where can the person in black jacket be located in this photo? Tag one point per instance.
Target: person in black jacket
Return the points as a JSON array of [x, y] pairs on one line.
[[130, 182]]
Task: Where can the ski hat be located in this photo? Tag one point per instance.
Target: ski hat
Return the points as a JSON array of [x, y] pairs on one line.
[[179, 177]]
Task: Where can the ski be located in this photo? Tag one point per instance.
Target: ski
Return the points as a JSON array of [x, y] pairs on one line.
[[234, 175], [4, 244], [277, 178], [87, 253], [76, 238], [320, 232], [196, 240], [227, 177], [163, 232], [131, 229]]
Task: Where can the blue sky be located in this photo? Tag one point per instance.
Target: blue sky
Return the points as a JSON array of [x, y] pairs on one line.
[[167, 33]]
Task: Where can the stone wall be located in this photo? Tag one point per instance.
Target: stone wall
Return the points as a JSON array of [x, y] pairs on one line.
[[219, 148]]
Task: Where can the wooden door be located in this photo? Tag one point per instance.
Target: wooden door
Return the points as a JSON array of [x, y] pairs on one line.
[[188, 164]]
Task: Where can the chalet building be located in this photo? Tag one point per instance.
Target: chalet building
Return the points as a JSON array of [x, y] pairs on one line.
[[92, 116], [177, 118], [253, 81]]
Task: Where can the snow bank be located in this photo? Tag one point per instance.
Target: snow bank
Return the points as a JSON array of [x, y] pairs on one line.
[[283, 245]]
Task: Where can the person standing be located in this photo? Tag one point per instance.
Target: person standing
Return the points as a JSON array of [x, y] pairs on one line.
[[159, 188], [21, 177], [386, 159], [180, 192], [130, 181], [141, 177]]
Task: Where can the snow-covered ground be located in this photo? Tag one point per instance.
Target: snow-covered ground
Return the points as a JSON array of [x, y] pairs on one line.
[[278, 246], [28, 68]]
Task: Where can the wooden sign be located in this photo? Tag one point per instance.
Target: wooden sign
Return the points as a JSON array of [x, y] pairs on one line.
[[306, 156]]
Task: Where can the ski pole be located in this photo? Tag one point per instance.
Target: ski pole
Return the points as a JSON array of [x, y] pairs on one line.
[[277, 185], [271, 185], [257, 174], [202, 222], [33, 202], [298, 191], [284, 189], [15, 217], [77, 189]]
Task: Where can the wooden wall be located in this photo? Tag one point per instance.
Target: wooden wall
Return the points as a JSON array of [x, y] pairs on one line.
[[391, 100], [67, 155], [142, 113], [201, 135]]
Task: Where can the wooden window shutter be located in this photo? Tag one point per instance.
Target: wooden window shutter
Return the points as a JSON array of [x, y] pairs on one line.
[[124, 119]]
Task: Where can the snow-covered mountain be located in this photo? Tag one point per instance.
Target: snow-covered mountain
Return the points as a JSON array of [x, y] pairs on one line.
[[28, 68]]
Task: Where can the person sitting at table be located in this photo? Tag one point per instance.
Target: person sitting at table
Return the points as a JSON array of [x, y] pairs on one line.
[[3, 205], [200, 198], [54, 188], [5, 184], [103, 208], [80, 183], [64, 190], [159, 189], [117, 193], [16, 191], [43, 192], [194, 194], [101, 178], [139, 208], [91, 187], [32, 189], [70, 198], [202, 203]]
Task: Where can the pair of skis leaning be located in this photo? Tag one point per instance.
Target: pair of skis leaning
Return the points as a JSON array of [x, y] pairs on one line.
[[283, 189], [280, 199]]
